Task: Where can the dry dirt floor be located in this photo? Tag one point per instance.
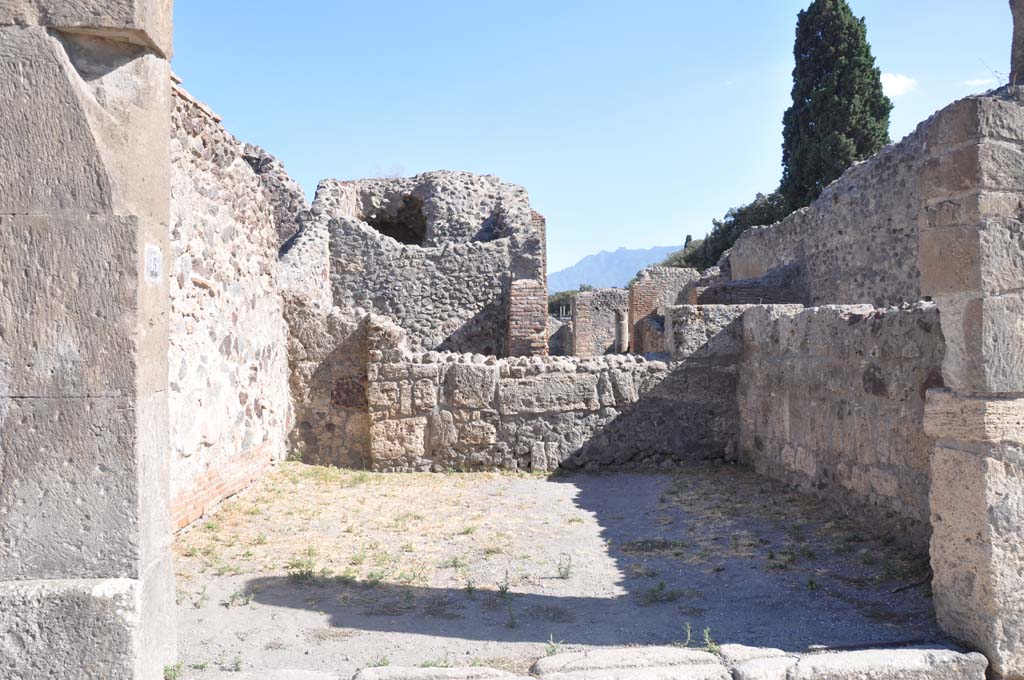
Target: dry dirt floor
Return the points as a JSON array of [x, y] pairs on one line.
[[323, 569]]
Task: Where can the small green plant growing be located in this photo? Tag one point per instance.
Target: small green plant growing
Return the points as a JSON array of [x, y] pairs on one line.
[[659, 594], [565, 566], [454, 562], [812, 584], [505, 587], [261, 539], [382, 661], [470, 586], [201, 599], [689, 636], [551, 647], [468, 530], [709, 643], [302, 567], [236, 665], [172, 672], [437, 663], [239, 598]]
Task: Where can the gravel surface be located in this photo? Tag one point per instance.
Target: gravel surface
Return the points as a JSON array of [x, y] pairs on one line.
[[329, 570]]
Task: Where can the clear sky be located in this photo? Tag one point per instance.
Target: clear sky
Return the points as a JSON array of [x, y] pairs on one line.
[[630, 123]]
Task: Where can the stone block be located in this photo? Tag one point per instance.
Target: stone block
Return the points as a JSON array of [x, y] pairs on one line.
[[424, 395], [70, 283], [549, 393], [973, 259], [703, 331], [984, 343], [471, 385], [92, 91], [72, 628], [441, 432], [977, 546], [393, 440], [699, 672], [622, 658], [890, 664], [69, 504], [143, 22], [478, 434], [399, 673], [973, 419], [776, 668]]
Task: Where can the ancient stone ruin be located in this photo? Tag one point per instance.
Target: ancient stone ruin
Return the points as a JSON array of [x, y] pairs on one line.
[[176, 318]]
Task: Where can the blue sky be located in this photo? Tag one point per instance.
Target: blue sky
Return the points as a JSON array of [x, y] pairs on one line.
[[630, 123]]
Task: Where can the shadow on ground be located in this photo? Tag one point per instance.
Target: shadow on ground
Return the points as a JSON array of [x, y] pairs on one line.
[[717, 548]]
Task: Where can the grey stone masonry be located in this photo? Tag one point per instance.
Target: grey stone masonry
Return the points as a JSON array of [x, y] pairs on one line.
[[595, 318], [831, 400], [86, 584]]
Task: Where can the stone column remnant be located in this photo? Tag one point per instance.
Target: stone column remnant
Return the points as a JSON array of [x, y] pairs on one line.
[[86, 586], [972, 264]]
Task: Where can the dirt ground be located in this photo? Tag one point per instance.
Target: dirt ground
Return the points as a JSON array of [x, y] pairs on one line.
[[330, 570]]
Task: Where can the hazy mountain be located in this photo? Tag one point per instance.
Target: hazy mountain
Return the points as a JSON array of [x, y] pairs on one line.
[[607, 270]]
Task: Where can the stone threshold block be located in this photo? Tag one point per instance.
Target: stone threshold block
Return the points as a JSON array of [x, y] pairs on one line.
[[48, 629]]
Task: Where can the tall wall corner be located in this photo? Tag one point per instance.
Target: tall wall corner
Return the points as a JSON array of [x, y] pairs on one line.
[[972, 265], [86, 581]]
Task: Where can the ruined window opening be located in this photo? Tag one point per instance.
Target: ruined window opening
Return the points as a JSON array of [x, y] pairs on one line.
[[408, 225]]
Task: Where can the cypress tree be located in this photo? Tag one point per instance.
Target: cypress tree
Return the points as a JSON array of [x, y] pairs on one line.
[[840, 113]]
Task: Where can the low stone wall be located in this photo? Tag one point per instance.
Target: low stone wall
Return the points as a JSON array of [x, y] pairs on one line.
[[832, 400], [654, 287], [439, 410], [596, 317], [559, 337], [228, 372], [858, 243], [436, 410]]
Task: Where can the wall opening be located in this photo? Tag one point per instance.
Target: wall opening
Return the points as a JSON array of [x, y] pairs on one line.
[[408, 225]]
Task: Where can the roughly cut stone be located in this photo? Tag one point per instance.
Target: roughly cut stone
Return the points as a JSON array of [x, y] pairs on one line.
[[891, 664], [771, 668], [398, 673], [733, 654], [622, 658], [144, 22], [70, 628]]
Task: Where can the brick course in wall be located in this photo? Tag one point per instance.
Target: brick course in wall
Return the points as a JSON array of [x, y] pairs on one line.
[[527, 318], [207, 490], [654, 287]]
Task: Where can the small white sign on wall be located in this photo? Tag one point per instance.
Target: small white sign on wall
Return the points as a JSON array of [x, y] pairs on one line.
[[154, 262]]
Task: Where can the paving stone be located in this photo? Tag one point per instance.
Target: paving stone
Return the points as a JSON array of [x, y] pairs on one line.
[[891, 664], [399, 673], [622, 658], [764, 669]]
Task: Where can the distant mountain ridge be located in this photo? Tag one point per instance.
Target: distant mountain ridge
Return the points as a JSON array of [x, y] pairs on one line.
[[607, 270]]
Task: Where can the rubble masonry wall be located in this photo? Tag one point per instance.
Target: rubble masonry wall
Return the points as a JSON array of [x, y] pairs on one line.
[[228, 372]]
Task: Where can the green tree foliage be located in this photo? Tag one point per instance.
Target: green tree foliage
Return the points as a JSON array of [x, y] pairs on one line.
[[563, 300], [840, 113], [701, 254]]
